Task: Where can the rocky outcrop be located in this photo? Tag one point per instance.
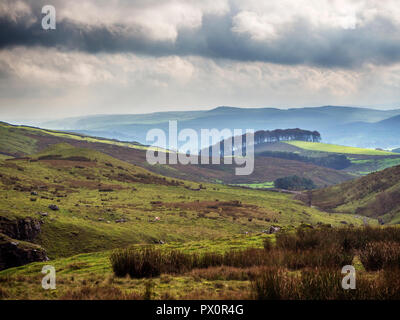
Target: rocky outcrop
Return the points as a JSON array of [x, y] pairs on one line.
[[21, 229], [15, 253], [14, 248]]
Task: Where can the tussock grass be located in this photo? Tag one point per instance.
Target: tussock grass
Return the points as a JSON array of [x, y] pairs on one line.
[[323, 284], [380, 255], [322, 248], [152, 262], [100, 293]]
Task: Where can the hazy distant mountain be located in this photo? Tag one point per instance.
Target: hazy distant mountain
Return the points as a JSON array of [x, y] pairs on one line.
[[359, 127], [383, 134]]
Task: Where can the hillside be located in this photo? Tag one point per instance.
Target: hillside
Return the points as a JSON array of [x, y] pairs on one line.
[[23, 140], [375, 195], [87, 201], [363, 161], [337, 125], [74, 205], [297, 145]]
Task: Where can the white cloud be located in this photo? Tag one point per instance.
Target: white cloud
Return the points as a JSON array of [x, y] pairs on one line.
[[159, 20], [15, 9], [79, 83], [34, 80]]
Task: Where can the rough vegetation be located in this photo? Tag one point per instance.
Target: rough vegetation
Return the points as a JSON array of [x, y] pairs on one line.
[[305, 264], [294, 183], [115, 230], [376, 195]]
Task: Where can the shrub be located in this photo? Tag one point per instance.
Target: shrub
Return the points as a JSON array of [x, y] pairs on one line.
[[322, 284], [294, 183], [267, 244], [332, 257], [272, 284], [151, 262], [379, 255]]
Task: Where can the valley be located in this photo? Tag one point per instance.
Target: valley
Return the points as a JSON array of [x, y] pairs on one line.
[[81, 198]]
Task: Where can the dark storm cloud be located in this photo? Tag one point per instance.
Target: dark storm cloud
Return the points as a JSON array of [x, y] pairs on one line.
[[377, 42]]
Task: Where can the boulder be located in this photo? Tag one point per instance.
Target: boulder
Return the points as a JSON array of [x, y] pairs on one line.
[[54, 207], [271, 230]]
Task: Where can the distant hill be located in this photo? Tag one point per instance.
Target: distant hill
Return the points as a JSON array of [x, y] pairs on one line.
[[339, 125], [383, 134], [20, 141], [302, 145], [375, 195]]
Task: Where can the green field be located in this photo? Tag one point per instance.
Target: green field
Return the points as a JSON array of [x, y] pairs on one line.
[[331, 148], [262, 185], [371, 165], [3, 157]]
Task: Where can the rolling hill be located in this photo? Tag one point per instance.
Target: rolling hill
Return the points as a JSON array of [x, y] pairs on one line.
[[383, 134], [296, 145], [363, 161], [20, 141], [375, 195], [82, 200], [72, 199], [338, 125]]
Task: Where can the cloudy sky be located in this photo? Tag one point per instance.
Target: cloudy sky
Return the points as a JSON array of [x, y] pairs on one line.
[[139, 56]]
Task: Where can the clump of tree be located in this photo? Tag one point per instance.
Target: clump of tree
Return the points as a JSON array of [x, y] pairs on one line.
[[267, 136], [263, 136], [333, 161], [294, 183]]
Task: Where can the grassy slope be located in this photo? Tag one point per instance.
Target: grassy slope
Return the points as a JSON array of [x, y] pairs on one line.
[[191, 221], [19, 140], [265, 185], [4, 157], [185, 213], [374, 195], [95, 269], [364, 161], [324, 147]]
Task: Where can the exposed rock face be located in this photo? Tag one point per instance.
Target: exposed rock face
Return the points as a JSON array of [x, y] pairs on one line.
[[14, 250], [22, 229], [15, 253]]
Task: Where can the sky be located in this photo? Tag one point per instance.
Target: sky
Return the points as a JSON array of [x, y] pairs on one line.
[[142, 56]]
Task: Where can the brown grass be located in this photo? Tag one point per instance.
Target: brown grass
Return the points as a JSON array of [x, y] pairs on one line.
[[100, 293]]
